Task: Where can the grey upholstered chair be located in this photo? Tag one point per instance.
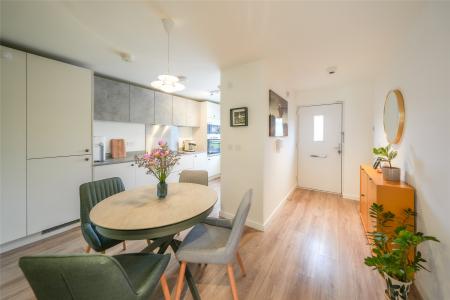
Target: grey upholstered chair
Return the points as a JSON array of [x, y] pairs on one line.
[[215, 241], [194, 176], [83, 277]]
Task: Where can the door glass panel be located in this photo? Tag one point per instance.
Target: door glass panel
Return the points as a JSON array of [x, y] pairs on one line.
[[318, 128]]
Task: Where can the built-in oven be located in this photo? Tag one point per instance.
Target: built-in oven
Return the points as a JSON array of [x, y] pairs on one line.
[[214, 129], [213, 146]]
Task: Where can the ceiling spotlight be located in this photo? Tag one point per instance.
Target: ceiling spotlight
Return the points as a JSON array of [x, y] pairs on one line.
[[332, 70]]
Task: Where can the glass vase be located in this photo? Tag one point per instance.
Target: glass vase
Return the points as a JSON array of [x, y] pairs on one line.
[[161, 190]]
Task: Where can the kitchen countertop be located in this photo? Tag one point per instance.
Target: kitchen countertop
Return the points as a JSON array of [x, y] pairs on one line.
[[130, 158], [109, 161]]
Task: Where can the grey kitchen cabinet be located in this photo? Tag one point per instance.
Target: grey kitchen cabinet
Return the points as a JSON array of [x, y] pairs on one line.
[[179, 111], [142, 105], [163, 108], [192, 113], [111, 100]]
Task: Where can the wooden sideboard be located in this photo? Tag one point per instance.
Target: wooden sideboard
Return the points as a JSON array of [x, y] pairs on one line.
[[394, 196]]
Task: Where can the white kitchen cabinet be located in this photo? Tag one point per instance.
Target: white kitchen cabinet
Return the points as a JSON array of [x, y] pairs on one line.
[[126, 172], [59, 113], [53, 190], [179, 111], [186, 112], [13, 145], [142, 178], [186, 162], [213, 165], [192, 113], [213, 113], [163, 108], [200, 161]]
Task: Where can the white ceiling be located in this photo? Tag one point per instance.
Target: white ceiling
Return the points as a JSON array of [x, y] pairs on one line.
[[301, 38]]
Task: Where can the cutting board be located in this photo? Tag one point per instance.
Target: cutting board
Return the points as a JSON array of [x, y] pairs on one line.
[[118, 148]]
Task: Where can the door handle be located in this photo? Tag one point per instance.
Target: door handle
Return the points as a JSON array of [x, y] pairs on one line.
[[318, 156]]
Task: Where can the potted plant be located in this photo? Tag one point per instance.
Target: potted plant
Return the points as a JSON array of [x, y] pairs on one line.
[[393, 251], [386, 154], [159, 162]]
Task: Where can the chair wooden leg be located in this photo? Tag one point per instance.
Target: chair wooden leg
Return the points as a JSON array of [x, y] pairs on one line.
[[241, 264], [180, 281], [149, 242], [87, 249], [124, 246], [232, 282], [165, 287]]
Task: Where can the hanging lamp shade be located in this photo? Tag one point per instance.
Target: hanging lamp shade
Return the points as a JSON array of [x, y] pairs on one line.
[[168, 83]]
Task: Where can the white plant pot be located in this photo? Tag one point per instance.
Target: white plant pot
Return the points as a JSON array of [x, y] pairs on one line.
[[391, 173], [396, 289]]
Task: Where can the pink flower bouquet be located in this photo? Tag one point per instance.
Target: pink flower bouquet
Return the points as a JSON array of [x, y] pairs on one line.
[[159, 161]]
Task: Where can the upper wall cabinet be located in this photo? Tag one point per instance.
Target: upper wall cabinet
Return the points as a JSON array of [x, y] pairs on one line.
[[122, 102], [193, 113], [111, 100], [163, 109], [213, 113], [186, 112], [59, 113], [179, 111], [142, 105]]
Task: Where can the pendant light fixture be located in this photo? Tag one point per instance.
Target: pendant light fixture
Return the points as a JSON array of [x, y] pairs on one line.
[[166, 82]]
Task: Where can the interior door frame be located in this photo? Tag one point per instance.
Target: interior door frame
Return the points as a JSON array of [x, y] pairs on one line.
[[298, 146]]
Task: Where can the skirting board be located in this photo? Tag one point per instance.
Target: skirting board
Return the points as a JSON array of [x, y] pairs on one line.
[[258, 225], [288, 195], [34, 238]]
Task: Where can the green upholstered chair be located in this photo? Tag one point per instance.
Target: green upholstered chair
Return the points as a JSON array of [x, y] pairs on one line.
[[92, 193], [81, 276]]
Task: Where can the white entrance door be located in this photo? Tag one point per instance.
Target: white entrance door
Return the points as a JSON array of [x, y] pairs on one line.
[[320, 147]]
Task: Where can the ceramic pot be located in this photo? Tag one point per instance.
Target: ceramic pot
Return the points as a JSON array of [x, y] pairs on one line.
[[391, 173], [396, 289], [161, 190]]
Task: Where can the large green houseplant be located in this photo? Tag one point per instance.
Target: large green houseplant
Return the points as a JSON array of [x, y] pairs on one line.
[[394, 252], [387, 154]]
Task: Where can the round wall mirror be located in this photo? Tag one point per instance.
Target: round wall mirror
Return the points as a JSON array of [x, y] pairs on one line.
[[394, 116]]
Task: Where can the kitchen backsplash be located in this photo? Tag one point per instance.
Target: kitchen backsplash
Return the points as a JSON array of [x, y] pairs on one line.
[[132, 133], [173, 135]]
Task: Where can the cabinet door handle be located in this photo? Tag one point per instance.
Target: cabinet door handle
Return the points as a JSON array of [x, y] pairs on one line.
[[86, 150], [86, 159], [132, 165], [362, 195]]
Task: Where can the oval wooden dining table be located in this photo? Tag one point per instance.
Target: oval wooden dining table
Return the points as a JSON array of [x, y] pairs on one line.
[[138, 214]]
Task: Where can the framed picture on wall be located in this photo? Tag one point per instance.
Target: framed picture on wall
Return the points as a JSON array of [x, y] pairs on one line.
[[278, 115], [239, 117]]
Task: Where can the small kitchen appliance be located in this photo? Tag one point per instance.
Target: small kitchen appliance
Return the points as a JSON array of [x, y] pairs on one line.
[[189, 146], [99, 152]]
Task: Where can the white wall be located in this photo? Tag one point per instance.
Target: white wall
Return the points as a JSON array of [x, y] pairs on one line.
[[249, 159], [280, 170], [242, 150], [357, 125], [134, 134], [421, 70]]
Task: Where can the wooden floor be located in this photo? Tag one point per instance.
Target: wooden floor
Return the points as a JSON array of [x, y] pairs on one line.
[[313, 249]]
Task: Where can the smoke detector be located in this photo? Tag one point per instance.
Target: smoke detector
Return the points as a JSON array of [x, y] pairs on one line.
[[127, 57], [332, 70]]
